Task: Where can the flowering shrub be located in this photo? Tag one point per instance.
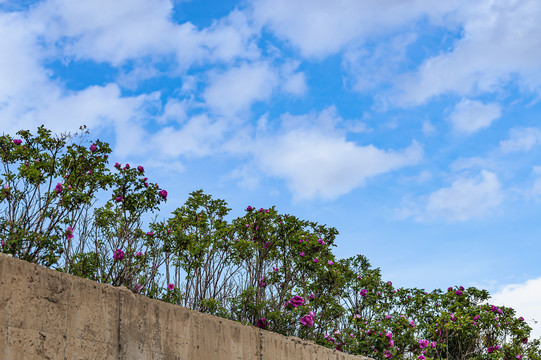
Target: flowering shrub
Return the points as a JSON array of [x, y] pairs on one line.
[[49, 184], [266, 269]]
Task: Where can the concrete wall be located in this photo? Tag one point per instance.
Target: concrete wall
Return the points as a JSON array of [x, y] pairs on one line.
[[45, 314]]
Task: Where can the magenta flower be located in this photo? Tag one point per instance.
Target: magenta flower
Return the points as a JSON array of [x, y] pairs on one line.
[[58, 188], [137, 288], [146, 184], [119, 198], [249, 208], [93, 147], [127, 166], [262, 323], [421, 357], [320, 242], [140, 168], [137, 254], [118, 255], [423, 343], [316, 260], [69, 233], [171, 286], [163, 194], [458, 292], [521, 319], [302, 253], [412, 323], [261, 210], [17, 141], [311, 297], [389, 335], [295, 301], [117, 165], [2, 243], [150, 233], [364, 292], [308, 320], [476, 317], [519, 356], [389, 283], [391, 343], [330, 262], [450, 288], [387, 354], [433, 344]]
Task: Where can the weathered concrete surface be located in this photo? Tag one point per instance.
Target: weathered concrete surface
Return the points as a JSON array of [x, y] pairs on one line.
[[45, 314]]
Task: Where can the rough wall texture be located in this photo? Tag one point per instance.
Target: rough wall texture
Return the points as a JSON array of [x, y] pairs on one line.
[[45, 314]]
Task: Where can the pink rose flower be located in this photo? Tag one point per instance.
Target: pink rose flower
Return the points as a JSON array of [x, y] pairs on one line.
[[308, 320], [262, 323], [58, 188], [118, 255], [163, 194]]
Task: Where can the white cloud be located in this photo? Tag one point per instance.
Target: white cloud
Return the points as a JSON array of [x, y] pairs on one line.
[[320, 28], [500, 43], [235, 90], [20, 70], [470, 116], [230, 38], [524, 298], [521, 139], [428, 128], [248, 177], [466, 198], [122, 30], [116, 32], [377, 66], [462, 163], [293, 82], [199, 136], [312, 154]]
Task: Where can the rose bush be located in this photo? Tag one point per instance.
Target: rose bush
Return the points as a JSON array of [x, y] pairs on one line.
[[274, 271]]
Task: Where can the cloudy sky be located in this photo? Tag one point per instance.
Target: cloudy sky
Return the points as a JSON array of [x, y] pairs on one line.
[[412, 126]]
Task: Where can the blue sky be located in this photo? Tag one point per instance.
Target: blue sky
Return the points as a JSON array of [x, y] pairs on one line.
[[412, 126]]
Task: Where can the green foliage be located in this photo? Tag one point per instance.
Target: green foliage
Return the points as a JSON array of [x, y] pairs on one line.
[[266, 269]]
